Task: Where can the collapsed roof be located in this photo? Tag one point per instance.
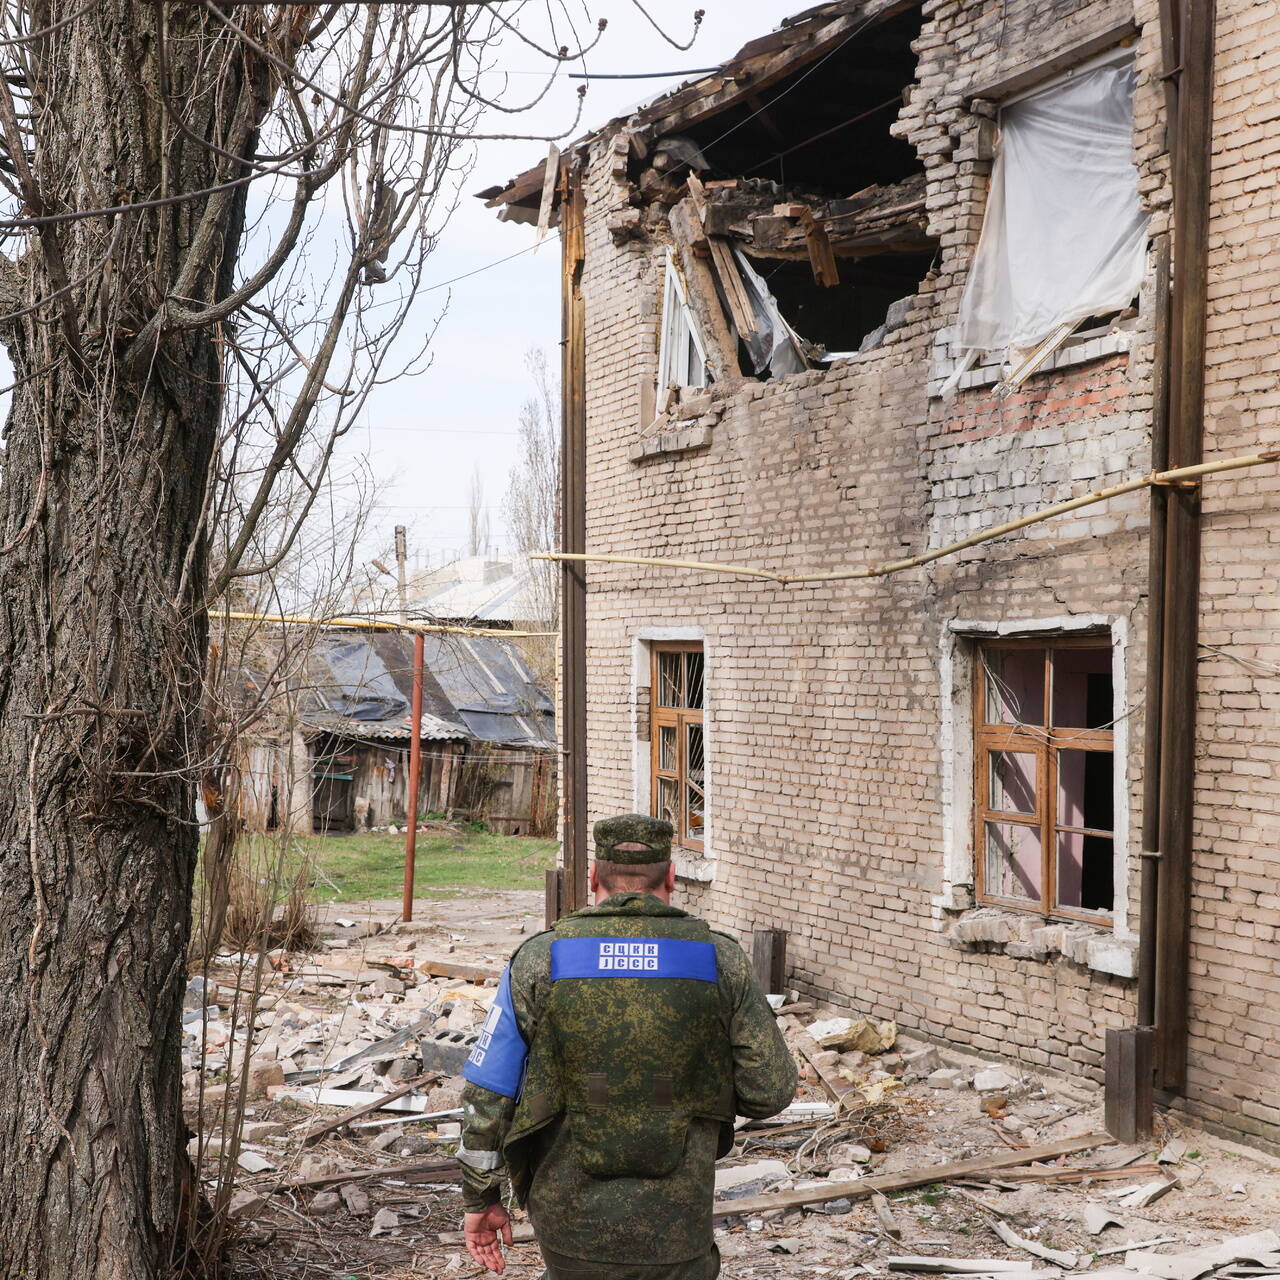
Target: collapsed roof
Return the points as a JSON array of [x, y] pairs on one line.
[[854, 62], [361, 686]]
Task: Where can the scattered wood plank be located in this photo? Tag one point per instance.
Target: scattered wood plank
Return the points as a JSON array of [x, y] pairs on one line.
[[842, 1093], [451, 969], [921, 1177], [928, 1265], [521, 1233], [1098, 1173], [364, 1108], [880, 1206], [420, 1171]]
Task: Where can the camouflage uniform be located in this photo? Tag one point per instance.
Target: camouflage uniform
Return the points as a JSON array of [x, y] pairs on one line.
[[630, 1088]]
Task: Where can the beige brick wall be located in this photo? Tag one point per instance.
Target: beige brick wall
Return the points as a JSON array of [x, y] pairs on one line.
[[826, 752]]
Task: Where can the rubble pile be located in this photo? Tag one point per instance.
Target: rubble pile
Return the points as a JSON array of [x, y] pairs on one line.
[[897, 1157]]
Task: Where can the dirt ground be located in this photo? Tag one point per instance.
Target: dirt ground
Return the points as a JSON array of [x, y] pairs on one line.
[[287, 1233]]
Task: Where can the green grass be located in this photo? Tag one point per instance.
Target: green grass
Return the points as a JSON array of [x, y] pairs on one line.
[[371, 865]]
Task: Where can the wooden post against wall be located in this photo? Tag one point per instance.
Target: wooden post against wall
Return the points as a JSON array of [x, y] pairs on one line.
[[769, 959], [573, 539], [553, 902]]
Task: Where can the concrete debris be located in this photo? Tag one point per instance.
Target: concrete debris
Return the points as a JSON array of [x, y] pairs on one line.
[[383, 1221], [355, 1198], [1262, 1248], [245, 1204], [736, 1181], [1148, 1193], [808, 1193], [1058, 1257], [1097, 1219], [995, 1080], [845, 1034], [200, 993]]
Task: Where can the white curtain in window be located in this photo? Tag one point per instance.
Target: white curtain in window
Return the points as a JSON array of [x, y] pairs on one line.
[[1064, 236]]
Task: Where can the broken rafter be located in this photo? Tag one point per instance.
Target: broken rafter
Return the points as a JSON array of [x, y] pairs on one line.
[[731, 283], [1176, 476], [313, 1136]]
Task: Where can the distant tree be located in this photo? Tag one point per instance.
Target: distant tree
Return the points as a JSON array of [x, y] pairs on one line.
[[533, 503], [477, 517]]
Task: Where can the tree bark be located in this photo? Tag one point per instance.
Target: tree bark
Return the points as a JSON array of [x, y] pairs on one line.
[[102, 628]]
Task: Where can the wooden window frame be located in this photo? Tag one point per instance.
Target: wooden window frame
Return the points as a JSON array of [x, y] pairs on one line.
[[1044, 742], [678, 718]]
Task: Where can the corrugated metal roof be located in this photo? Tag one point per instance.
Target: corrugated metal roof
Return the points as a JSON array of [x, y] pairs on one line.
[[361, 686]]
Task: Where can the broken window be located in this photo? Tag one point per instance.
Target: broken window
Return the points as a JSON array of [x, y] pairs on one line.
[[682, 359], [1064, 237], [1044, 776], [822, 206], [679, 771]]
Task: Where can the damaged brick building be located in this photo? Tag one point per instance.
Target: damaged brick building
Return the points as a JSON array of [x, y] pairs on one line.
[[893, 276]]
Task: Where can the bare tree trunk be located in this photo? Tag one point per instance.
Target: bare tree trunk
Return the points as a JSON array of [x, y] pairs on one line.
[[102, 632]]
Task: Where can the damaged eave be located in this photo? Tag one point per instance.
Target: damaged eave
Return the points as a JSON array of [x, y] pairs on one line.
[[759, 64]]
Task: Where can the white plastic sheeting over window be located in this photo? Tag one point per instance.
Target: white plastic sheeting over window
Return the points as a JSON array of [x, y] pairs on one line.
[[1064, 236], [682, 359]]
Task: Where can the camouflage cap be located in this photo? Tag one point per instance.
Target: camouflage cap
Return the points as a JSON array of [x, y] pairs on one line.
[[633, 828]]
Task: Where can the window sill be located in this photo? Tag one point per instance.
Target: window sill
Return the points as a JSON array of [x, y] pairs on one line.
[[1081, 348], [696, 867], [1029, 937], [685, 425], [665, 443]]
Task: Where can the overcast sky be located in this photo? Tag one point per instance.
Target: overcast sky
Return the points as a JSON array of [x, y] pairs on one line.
[[427, 433]]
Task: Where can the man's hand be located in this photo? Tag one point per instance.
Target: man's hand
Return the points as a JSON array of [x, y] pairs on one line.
[[481, 1231]]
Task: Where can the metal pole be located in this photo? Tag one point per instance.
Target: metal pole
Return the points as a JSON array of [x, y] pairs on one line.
[[402, 555], [415, 773], [415, 729]]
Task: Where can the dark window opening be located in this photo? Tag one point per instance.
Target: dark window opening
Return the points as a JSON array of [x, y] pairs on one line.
[[826, 126], [844, 318]]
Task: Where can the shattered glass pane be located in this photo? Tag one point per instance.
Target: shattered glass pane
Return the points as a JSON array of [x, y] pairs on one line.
[[1086, 871], [669, 801], [1082, 694], [695, 775], [667, 748], [693, 679], [1013, 861], [669, 683], [1012, 776], [1015, 686]]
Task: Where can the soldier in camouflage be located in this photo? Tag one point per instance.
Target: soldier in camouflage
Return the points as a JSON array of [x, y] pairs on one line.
[[619, 1048]]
